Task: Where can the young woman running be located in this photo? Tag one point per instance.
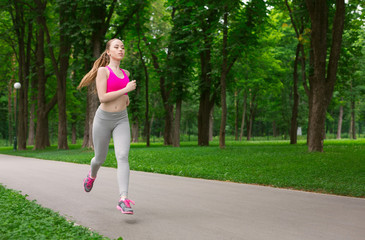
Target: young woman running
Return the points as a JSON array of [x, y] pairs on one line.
[[111, 118]]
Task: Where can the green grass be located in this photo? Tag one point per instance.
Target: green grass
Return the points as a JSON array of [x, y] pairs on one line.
[[340, 169], [24, 219]]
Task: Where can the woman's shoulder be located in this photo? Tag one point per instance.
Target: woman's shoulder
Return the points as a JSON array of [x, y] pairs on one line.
[[126, 72], [103, 71]]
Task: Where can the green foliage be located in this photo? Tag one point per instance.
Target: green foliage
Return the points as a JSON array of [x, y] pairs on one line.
[[261, 41], [24, 219]]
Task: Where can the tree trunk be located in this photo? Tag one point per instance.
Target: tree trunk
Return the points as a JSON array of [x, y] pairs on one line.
[[42, 133], [294, 116], [274, 129], [243, 115], [135, 129], [135, 118], [73, 132], [211, 124], [147, 122], [222, 131], [249, 128], [317, 117], [10, 100], [203, 119], [176, 134], [322, 82], [169, 110], [353, 122], [92, 101], [65, 47], [205, 103], [20, 28], [236, 115], [85, 142], [31, 133], [252, 116], [340, 118]]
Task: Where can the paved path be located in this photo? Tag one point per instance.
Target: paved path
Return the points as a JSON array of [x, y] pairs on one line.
[[174, 208]]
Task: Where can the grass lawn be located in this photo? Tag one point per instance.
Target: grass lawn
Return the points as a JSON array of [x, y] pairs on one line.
[[24, 219], [340, 169]]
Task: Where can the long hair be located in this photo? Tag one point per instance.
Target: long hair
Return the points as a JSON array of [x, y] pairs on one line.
[[102, 61]]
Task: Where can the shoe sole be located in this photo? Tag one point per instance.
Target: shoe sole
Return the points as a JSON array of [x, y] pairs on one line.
[[85, 188], [120, 209]]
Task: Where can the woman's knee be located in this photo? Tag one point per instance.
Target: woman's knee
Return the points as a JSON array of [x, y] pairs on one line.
[[98, 160], [122, 157]]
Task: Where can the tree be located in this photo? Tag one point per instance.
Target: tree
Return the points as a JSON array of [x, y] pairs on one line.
[[180, 63], [160, 51], [298, 18], [22, 23], [233, 43], [322, 82], [98, 11], [43, 108]]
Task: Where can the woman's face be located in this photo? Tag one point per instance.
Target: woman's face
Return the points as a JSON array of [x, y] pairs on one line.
[[116, 50]]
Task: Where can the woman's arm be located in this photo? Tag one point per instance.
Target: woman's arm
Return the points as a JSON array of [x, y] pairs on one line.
[[101, 80]]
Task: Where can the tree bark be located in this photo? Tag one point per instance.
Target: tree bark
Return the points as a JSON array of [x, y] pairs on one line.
[[252, 116], [274, 129], [147, 122], [243, 115], [205, 102], [31, 132], [20, 28], [10, 100], [135, 129], [73, 132], [42, 133], [321, 81], [236, 115], [176, 130], [222, 132], [65, 47], [92, 101], [300, 49], [353, 122], [211, 124], [294, 116], [340, 118], [32, 115]]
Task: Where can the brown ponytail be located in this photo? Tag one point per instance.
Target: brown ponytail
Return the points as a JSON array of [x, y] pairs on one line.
[[102, 61]]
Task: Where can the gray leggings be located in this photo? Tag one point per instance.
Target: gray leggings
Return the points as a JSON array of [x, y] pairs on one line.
[[105, 125]]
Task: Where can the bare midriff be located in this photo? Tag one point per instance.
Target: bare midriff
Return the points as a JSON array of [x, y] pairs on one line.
[[117, 105]]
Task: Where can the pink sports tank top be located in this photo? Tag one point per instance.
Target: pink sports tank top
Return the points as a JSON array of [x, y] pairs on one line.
[[114, 83]]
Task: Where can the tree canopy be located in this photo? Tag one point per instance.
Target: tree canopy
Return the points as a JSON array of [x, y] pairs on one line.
[[205, 69]]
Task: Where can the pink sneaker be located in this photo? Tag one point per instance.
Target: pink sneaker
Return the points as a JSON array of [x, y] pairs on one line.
[[125, 206], [88, 183]]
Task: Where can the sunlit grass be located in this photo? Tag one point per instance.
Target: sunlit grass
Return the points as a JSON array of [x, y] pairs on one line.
[[340, 169]]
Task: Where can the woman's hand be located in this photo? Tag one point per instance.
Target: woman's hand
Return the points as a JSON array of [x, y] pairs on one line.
[[131, 86]]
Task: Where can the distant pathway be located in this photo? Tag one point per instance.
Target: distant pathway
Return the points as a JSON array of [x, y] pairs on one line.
[[174, 208]]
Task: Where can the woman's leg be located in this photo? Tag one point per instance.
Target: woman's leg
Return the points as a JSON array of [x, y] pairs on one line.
[[121, 138], [101, 138]]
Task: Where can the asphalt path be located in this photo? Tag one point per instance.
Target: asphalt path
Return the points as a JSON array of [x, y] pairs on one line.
[[174, 208]]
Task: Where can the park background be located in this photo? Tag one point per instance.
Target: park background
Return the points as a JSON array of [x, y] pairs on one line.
[[249, 72], [241, 70]]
